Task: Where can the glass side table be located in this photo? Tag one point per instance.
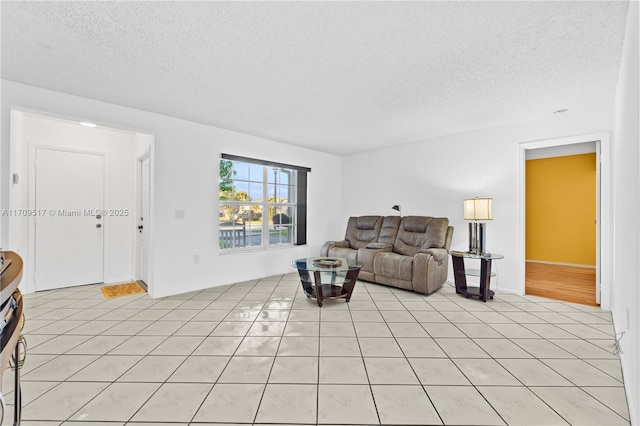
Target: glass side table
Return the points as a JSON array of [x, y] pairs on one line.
[[460, 274]]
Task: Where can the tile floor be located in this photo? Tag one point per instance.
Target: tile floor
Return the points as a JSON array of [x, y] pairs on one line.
[[260, 352]]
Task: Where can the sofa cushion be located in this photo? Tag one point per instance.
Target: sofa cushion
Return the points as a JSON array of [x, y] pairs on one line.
[[416, 232], [416, 223], [367, 222], [389, 229], [393, 265], [363, 230], [367, 254], [436, 233]]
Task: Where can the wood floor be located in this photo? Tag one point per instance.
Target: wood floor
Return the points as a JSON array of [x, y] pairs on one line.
[[567, 283]]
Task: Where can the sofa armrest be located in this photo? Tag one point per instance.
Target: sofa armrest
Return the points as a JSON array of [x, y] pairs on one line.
[[439, 254], [379, 246], [430, 268], [324, 251]]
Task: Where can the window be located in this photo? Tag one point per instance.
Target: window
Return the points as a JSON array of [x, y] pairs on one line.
[[262, 204]]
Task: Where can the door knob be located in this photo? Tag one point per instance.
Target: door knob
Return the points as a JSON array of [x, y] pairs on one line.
[[98, 216], [98, 225]]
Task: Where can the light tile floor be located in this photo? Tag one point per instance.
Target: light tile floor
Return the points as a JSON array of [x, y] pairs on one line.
[[260, 352]]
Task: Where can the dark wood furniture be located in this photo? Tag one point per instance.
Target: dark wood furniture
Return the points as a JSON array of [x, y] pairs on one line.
[[460, 274], [323, 281], [11, 341]]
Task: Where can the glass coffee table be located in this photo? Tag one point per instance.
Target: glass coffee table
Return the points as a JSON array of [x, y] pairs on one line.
[[327, 278]]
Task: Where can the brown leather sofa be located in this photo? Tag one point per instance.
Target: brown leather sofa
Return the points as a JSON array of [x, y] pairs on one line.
[[411, 252]]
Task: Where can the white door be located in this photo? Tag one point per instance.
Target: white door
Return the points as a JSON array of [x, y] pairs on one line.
[[69, 233], [143, 221]]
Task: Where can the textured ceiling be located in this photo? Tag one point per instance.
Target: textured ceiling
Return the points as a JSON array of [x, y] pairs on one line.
[[339, 77]]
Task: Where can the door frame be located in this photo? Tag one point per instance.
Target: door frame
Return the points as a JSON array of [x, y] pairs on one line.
[[31, 237], [603, 209], [138, 208]]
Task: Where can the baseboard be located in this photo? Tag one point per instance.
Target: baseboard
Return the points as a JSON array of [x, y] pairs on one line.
[[575, 265]]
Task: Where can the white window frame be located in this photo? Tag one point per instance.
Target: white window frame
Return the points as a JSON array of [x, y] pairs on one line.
[[233, 234]]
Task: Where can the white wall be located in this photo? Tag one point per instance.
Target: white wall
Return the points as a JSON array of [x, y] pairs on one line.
[[626, 218], [434, 176], [185, 159], [33, 130]]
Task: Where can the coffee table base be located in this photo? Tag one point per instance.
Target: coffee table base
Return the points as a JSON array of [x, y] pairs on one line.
[[327, 291]]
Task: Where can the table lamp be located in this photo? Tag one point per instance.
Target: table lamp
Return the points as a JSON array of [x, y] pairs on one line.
[[477, 209]]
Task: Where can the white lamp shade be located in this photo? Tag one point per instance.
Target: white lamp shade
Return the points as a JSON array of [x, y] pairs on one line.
[[478, 209]]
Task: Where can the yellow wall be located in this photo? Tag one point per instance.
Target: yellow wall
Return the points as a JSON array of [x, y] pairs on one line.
[[561, 209]]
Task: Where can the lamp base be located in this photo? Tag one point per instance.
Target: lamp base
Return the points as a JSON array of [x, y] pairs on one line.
[[477, 238]]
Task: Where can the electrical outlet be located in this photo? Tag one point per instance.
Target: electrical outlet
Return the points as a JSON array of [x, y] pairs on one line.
[[196, 259], [179, 214]]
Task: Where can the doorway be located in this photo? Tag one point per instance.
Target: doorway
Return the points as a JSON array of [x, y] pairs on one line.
[[68, 230], [144, 223], [561, 223], [602, 210], [61, 137]]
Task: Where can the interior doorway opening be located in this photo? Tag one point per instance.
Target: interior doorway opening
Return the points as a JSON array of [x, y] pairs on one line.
[[50, 169], [560, 230], [602, 270]]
